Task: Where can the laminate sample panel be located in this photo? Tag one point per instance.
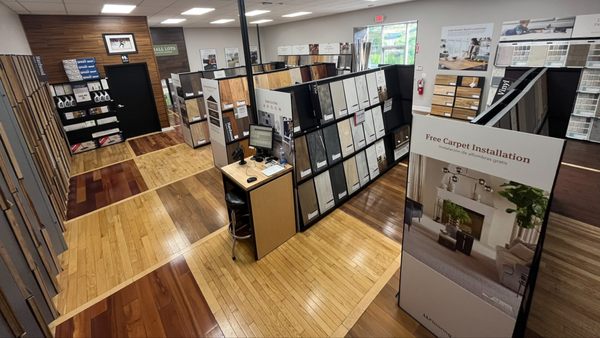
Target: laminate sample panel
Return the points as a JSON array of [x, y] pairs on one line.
[[441, 110], [358, 135], [296, 75], [537, 56], [195, 109], [446, 80], [345, 133], [232, 131], [363, 168], [504, 56], [307, 198], [338, 99], [466, 103], [325, 103], [463, 114], [302, 163], [470, 81], [372, 88], [382, 162], [338, 183], [351, 173], [316, 150], [369, 127], [577, 56], [324, 192], [557, 55], [332, 144], [372, 161], [302, 108], [439, 100], [444, 90], [378, 121], [362, 91], [351, 95], [474, 93], [200, 133]]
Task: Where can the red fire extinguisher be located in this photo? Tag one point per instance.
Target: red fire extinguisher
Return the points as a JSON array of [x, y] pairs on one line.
[[421, 86]]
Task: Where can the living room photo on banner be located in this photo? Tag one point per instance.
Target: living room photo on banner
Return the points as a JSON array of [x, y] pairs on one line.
[[466, 47]]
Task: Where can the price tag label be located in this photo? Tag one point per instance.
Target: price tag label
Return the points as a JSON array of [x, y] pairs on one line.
[[387, 106]]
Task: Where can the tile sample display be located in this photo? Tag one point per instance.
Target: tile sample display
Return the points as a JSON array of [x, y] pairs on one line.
[[557, 55], [338, 183], [520, 55], [332, 144], [593, 59], [362, 91], [351, 173], [381, 156], [324, 192], [586, 105], [325, 104], [372, 88], [363, 168], [378, 122], [579, 128], [369, 127], [338, 99], [504, 55], [590, 81], [351, 95], [316, 151], [345, 133], [307, 198], [302, 164], [358, 135], [372, 161], [577, 55]]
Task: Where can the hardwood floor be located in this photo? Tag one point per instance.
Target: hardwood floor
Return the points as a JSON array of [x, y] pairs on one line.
[[165, 303], [99, 158], [577, 194], [174, 163], [316, 284], [154, 142], [196, 204], [99, 188], [582, 153]]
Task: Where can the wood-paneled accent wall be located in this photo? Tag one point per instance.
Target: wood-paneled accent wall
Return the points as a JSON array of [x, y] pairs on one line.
[[170, 64], [59, 37]]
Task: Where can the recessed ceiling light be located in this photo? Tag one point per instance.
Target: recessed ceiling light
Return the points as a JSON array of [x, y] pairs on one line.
[[197, 11], [117, 9], [260, 21], [221, 21], [293, 15], [256, 12], [173, 21]]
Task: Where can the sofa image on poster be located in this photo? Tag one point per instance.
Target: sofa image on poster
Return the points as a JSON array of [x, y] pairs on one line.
[[465, 225]]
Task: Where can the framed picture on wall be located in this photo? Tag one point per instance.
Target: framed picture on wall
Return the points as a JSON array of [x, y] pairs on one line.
[[122, 43]]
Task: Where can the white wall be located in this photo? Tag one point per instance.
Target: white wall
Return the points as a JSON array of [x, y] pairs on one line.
[[432, 15], [12, 35], [217, 38]]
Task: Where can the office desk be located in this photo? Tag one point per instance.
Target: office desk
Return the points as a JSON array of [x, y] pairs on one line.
[[270, 202]]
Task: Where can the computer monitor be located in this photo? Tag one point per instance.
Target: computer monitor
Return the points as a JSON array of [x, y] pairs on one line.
[[261, 138]]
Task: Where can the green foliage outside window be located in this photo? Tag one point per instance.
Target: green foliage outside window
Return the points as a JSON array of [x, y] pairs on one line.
[[392, 44]]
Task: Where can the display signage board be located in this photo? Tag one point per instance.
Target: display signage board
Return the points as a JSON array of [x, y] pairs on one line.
[[466, 47], [209, 58], [300, 50], [467, 255], [232, 57], [275, 110], [329, 48], [284, 50], [587, 26], [166, 50], [537, 29], [212, 103]]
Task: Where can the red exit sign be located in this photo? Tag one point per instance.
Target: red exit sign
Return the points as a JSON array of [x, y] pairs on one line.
[[379, 19]]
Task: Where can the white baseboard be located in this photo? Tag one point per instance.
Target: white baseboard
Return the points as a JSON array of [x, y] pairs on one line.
[[422, 109], [168, 129]]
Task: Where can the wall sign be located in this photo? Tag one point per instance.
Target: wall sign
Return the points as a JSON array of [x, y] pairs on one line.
[[300, 50], [209, 59], [232, 57], [329, 48], [587, 26], [119, 43], [537, 29], [166, 50], [466, 47], [284, 50]]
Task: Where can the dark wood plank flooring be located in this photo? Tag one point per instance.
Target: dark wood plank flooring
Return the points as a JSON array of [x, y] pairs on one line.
[[585, 154], [196, 204], [381, 205], [577, 194], [154, 142], [102, 187], [165, 303]]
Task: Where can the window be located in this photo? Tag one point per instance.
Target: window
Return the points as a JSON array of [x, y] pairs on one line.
[[390, 44]]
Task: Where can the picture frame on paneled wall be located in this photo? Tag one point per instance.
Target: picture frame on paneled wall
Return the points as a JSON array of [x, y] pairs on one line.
[[118, 44]]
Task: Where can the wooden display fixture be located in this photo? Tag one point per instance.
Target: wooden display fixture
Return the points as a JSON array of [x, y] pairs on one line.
[[188, 101], [457, 97]]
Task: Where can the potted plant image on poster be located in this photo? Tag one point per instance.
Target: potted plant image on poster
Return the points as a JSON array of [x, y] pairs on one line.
[[477, 230], [466, 47], [232, 57]]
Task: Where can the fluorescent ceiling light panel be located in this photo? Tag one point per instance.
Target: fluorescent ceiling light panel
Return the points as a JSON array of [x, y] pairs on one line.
[[293, 15], [260, 21], [198, 11], [173, 21], [221, 21], [117, 9], [256, 12]]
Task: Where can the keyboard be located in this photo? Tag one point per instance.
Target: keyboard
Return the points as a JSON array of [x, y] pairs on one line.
[[272, 170]]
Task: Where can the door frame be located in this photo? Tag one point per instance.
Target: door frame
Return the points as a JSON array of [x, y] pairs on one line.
[[148, 81]]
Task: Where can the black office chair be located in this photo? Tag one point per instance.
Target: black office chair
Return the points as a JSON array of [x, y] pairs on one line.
[[239, 227]]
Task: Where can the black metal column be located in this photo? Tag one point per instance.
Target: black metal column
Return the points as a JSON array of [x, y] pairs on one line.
[[247, 61], [259, 47]]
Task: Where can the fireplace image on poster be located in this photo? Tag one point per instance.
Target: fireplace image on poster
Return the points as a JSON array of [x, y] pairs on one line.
[[473, 220]]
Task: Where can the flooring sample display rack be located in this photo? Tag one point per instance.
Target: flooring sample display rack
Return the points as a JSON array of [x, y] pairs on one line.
[[458, 97], [345, 137], [87, 113], [188, 101]]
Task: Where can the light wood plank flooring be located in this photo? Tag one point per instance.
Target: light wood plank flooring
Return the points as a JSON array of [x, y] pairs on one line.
[[99, 158]]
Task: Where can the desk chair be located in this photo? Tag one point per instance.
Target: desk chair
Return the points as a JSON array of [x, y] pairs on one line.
[[239, 227]]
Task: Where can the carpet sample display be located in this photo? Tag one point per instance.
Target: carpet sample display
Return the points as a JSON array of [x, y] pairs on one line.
[[372, 162], [316, 151], [307, 198], [324, 192], [338, 99], [557, 55], [351, 173], [332, 144], [378, 122], [302, 164], [351, 95], [577, 55], [372, 88], [586, 105], [369, 127], [593, 59], [358, 135], [537, 56], [520, 55], [345, 133], [362, 91], [504, 55], [362, 168], [338, 183]]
